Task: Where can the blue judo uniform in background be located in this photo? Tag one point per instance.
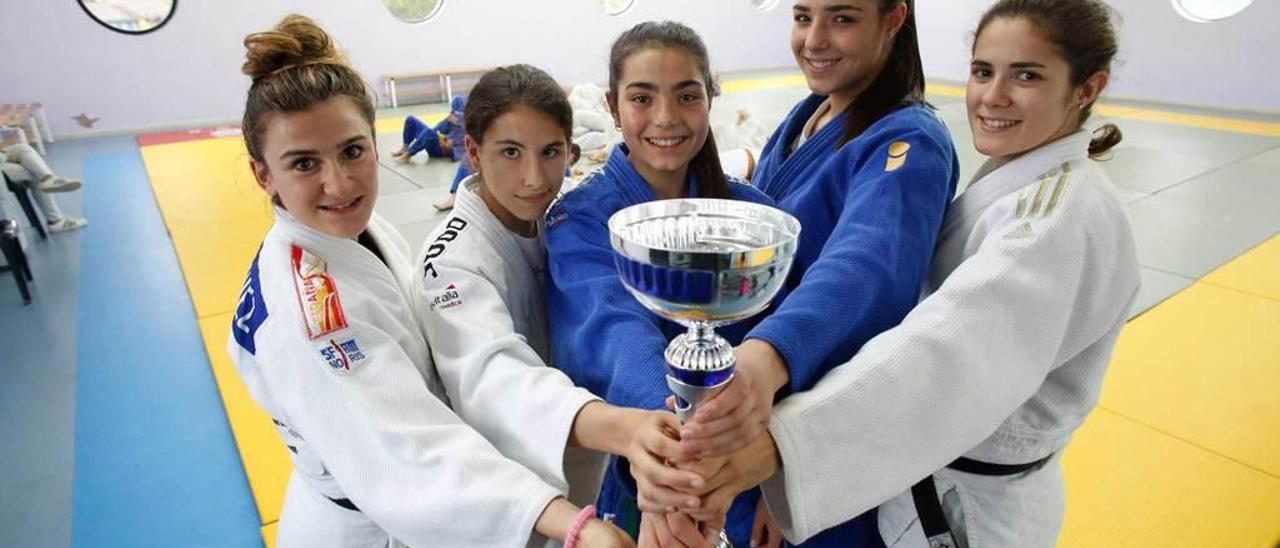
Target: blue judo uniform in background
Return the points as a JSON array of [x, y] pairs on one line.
[[601, 336], [418, 136], [870, 211]]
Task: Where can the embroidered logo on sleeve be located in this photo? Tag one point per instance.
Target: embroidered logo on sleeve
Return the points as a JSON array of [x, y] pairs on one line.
[[1021, 231], [1042, 199], [556, 216], [343, 357], [317, 294], [452, 228], [449, 298], [251, 310], [897, 155]]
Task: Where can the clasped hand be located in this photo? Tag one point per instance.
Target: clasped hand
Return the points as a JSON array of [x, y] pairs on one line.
[[687, 476]]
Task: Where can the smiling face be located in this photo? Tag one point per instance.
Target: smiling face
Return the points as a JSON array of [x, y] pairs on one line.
[[1019, 94], [663, 107], [321, 165], [521, 164], [841, 45]]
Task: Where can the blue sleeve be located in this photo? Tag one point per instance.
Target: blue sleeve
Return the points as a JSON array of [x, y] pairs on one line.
[[602, 337], [444, 126], [869, 272], [741, 190]]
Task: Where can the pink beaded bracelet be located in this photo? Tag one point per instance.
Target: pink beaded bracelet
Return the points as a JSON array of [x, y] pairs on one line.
[[571, 538]]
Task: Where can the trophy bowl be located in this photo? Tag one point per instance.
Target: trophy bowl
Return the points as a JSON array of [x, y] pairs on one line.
[[702, 263], [703, 260]]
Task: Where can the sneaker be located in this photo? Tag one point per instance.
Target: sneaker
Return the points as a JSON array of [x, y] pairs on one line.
[[67, 223], [58, 184], [444, 205]]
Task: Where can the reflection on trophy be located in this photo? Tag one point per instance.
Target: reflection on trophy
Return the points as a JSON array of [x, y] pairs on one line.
[[702, 263]]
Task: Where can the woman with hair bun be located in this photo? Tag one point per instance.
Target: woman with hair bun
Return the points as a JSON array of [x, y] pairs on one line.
[[983, 384], [325, 338]]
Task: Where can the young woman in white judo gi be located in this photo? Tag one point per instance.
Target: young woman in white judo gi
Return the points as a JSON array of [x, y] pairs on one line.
[[982, 385], [478, 292], [605, 340], [327, 344]]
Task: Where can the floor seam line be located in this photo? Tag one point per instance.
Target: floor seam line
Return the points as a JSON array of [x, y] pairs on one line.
[[1240, 291], [1188, 442], [1214, 170]]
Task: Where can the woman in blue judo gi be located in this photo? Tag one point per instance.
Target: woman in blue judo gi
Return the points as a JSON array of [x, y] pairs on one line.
[[660, 98], [442, 141], [869, 170]]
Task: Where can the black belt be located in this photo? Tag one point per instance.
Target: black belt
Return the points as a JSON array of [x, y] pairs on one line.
[[925, 494], [345, 503]]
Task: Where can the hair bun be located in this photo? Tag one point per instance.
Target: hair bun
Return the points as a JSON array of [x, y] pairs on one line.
[[296, 40]]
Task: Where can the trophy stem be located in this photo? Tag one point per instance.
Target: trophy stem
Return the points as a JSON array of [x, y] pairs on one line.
[[699, 363], [701, 331]]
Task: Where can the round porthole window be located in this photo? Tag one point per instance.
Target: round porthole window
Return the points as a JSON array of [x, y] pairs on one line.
[[130, 16], [1208, 11], [413, 11], [764, 5], [616, 7]]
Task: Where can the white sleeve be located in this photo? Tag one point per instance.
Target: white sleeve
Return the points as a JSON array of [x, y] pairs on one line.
[[396, 450], [920, 395], [495, 381]]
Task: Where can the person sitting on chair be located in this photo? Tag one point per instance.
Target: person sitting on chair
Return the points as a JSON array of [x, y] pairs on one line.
[[24, 166]]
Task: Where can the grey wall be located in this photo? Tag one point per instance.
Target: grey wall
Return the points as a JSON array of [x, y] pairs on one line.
[[1229, 64], [187, 73]]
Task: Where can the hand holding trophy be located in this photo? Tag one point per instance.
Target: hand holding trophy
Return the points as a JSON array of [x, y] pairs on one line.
[[702, 263]]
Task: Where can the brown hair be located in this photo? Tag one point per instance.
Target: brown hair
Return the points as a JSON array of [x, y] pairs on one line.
[[1085, 37], [501, 89], [294, 67], [705, 165], [900, 82]]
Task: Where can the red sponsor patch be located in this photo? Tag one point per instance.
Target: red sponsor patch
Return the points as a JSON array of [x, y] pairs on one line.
[[317, 294]]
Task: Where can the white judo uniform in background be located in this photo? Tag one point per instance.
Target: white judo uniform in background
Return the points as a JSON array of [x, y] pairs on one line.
[[325, 340], [1001, 361], [478, 293], [593, 125]]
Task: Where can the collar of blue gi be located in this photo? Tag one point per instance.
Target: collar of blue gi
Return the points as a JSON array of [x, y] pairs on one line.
[[779, 163], [634, 185]]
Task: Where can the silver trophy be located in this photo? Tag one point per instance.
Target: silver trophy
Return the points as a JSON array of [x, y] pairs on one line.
[[702, 263]]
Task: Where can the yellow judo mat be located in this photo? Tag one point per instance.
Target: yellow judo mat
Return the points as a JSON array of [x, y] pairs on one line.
[[1184, 449]]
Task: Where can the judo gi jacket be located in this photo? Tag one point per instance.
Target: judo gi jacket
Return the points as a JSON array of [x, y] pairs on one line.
[[478, 293], [1000, 363], [325, 340]]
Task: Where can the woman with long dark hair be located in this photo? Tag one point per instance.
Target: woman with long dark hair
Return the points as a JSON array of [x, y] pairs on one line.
[[980, 388], [660, 92], [868, 169]]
